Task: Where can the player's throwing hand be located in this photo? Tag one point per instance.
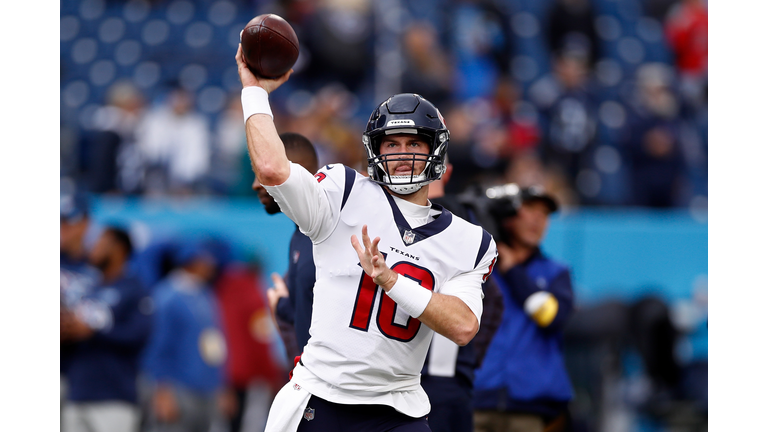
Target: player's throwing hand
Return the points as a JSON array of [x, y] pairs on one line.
[[372, 260], [248, 79]]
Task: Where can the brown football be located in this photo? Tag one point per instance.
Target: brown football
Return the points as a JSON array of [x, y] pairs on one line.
[[270, 45]]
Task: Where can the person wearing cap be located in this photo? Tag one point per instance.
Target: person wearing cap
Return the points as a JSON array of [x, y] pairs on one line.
[[185, 357], [523, 384], [77, 275]]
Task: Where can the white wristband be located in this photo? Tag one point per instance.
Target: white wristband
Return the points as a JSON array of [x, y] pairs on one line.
[[255, 100], [410, 296]]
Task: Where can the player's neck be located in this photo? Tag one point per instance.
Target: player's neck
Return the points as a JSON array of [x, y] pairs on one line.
[[419, 197]]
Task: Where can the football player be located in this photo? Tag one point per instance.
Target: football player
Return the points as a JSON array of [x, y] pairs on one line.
[[391, 267]]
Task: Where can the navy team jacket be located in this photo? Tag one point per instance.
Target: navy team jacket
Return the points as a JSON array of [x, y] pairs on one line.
[[300, 280]]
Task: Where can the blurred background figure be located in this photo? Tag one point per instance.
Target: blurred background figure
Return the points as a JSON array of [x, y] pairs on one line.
[[175, 145], [523, 384], [338, 40], [105, 332], [113, 163], [686, 28], [328, 124], [481, 47], [569, 112], [427, 69], [184, 361], [654, 140], [230, 170], [571, 26], [255, 370], [77, 275]]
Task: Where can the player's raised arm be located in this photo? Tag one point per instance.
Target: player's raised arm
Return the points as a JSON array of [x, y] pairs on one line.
[[267, 153]]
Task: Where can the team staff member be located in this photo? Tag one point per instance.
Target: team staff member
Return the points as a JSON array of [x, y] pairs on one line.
[[523, 384], [360, 369], [108, 328]]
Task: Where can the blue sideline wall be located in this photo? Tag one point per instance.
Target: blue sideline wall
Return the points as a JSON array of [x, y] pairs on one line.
[[619, 254]]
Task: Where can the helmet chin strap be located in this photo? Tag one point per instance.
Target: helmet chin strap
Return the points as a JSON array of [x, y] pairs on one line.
[[406, 189]]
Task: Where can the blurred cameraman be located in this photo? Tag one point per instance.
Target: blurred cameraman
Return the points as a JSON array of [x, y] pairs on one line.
[[523, 384]]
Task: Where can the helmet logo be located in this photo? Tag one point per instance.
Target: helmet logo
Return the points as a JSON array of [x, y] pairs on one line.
[[442, 120], [406, 122]]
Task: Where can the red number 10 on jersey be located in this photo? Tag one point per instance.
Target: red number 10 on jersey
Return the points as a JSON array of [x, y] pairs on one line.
[[385, 317]]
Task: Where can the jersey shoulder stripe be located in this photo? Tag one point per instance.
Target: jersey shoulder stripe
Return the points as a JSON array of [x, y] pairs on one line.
[[349, 181], [484, 243]]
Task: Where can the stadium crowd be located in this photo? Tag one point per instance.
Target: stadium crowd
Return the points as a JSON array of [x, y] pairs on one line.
[[602, 102]]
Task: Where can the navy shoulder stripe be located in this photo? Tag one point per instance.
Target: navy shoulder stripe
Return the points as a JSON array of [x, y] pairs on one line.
[[349, 180], [483, 247]]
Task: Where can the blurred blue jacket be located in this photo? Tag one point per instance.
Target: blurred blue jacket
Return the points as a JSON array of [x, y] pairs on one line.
[[105, 366], [187, 347]]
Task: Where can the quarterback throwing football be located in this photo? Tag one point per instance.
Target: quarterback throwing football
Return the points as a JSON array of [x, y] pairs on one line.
[[391, 267]]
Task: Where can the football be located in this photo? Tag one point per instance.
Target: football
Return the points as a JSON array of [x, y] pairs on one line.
[[270, 45]]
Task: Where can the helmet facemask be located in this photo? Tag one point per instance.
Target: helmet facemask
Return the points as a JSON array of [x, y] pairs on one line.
[[406, 113], [381, 167]]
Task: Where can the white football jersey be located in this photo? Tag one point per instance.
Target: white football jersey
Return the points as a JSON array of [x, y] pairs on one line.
[[361, 346]]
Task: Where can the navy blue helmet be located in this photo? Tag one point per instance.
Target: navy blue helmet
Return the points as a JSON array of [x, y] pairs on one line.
[[406, 113]]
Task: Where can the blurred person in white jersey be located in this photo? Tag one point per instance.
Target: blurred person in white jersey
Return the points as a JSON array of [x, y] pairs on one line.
[[419, 265]]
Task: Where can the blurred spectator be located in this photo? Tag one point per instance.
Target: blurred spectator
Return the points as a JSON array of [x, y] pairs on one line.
[[228, 173], [107, 328], [687, 28], [77, 276], [174, 142], [523, 383], [254, 372], [569, 113], [428, 70], [658, 9], [114, 162], [482, 46], [571, 26], [519, 117], [291, 299], [654, 144], [461, 150], [327, 122], [691, 317], [184, 360], [339, 42], [527, 169], [654, 338]]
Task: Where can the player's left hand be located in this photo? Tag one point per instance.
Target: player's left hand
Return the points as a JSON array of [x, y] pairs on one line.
[[372, 260]]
